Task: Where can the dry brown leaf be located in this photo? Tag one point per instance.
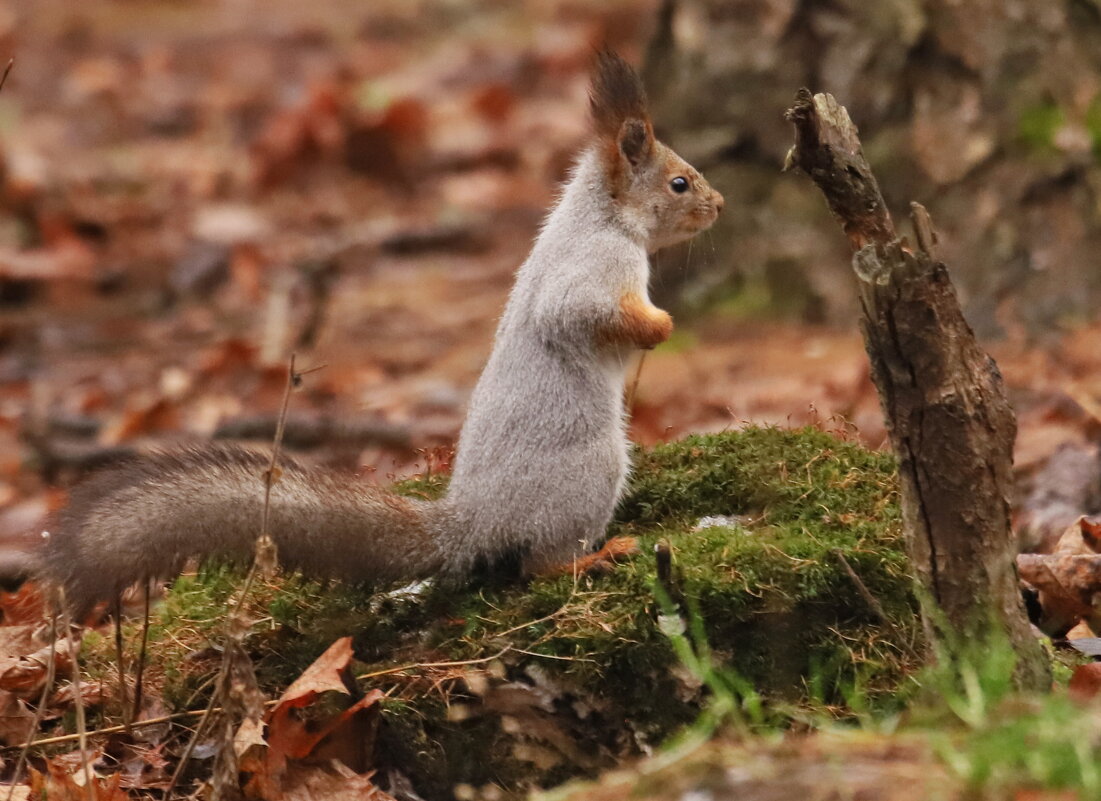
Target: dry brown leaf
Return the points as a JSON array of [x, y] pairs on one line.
[[1081, 537], [1069, 586], [157, 414], [57, 784], [294, 734], [325, 674], [388, 146], [140, 766], [25, 605], [296, 137], [1085, 682], [15, 642], [90, 691], [16, 720], [24, 675], [228, 357], [494, 101]]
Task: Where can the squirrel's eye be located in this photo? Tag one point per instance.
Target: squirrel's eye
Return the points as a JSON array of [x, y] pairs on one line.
[[679, 184]]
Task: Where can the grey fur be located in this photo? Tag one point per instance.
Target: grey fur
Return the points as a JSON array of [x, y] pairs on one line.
[[541, 461], [148, 516]]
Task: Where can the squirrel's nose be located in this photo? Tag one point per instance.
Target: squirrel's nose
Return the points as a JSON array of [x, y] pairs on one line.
[[718, 201]]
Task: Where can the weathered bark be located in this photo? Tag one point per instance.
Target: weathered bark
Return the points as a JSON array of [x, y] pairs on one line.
[[950, 423]]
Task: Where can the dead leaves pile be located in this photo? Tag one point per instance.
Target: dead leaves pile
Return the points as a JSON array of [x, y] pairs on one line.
[[1067, 581], [1065, 586], [316, 741], [319, 739]]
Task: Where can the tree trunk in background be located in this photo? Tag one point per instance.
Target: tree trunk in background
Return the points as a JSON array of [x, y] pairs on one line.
[[987, 112], [950, 422]]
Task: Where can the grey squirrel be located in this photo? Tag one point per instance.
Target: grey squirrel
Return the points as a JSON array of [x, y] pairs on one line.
[[543, 454]]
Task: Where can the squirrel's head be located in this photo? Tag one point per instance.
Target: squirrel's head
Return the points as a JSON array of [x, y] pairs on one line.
[[656, 191]]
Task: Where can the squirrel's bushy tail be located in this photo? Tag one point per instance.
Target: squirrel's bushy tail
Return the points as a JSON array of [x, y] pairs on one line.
[[146, 517]]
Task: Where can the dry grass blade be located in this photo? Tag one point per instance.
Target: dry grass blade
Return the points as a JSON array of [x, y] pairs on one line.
[[120, 665], [139, 680], [81, 723], [7, 69], [629, 401]]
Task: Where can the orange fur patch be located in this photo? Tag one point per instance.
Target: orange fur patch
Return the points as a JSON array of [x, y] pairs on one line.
[[612, 553], [639, 323]]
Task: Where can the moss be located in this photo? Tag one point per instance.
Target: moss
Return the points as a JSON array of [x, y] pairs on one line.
[[1093, 126], [1038, 124], [774, 598]]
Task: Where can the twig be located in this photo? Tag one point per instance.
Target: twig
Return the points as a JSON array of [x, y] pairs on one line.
[[861, 588], [138, 724], [551, 656], [537, 621], [415, 665], [120, 663], [293, 380], [7, 69], [139, 682], [872, 602], [81, 725], [233, 620], [629, 401], [40, 710]]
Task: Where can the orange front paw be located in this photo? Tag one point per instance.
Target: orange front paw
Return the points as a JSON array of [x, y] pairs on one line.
[[614, 551], [644, 325]]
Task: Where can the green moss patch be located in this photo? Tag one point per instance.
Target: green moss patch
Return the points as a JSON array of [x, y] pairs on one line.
[[534, 682]]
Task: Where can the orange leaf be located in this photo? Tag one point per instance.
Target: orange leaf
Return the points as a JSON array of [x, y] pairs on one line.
[[1086, 681], [325, 674], [295, 733]]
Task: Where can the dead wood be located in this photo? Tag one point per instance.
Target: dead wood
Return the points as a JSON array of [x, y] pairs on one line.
[[950, 423]]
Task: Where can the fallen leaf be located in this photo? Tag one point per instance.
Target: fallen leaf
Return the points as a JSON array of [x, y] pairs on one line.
[[296, 732], [1069, 586], [25, 605], [91, 692], [16, 720], [1085, 682], [15, 641], [58, 784], [1081, 537], [327, 673], [23, 675], [140, 766], [155, 414]]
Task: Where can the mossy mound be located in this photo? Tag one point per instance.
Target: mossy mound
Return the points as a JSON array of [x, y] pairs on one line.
[[802, 589]]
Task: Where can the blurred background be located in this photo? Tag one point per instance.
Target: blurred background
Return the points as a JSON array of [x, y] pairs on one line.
[[190, 190]]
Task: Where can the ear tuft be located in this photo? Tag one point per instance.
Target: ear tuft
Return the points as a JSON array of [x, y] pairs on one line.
[[617, 96]]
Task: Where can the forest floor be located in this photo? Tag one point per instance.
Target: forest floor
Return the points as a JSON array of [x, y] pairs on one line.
[[190, 192]]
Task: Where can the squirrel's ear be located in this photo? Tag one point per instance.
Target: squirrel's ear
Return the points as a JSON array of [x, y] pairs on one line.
[[619, 109], [636, 141]]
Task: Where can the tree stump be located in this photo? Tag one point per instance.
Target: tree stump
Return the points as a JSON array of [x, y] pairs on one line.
[[950, 423]]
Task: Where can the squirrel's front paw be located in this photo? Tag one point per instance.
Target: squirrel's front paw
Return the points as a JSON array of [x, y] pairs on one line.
[[644, 325]]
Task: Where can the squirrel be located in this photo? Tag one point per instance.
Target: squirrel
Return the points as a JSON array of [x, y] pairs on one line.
[[543, 454]]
